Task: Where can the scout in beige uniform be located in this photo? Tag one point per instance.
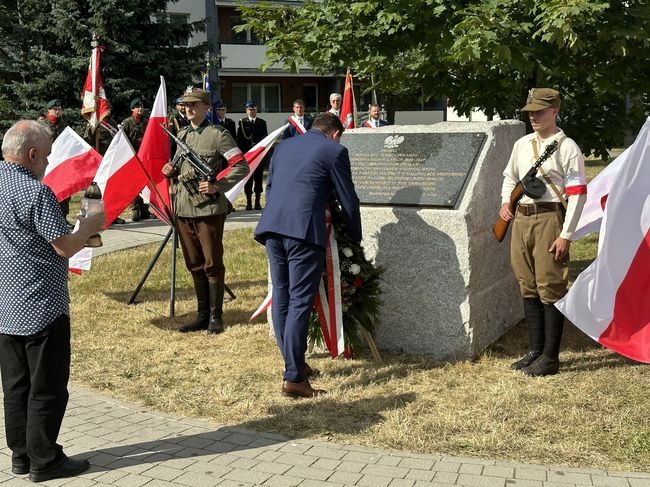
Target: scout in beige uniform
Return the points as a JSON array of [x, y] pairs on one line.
[[200, 208], [542, 228]]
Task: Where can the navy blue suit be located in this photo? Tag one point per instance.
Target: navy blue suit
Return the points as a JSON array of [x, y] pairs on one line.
[[303, 174], [291, 131]]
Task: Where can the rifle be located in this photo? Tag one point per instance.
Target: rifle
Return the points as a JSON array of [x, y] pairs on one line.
[[530, 185], [185, 152]]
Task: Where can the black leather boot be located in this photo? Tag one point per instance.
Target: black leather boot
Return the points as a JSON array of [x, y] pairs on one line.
[[202, 289], [215, 324], [534, 312], [549, 362], [258, 205], [249, 201]]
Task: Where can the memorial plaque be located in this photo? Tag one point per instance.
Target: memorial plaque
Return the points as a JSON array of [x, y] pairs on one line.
[[412, 169]]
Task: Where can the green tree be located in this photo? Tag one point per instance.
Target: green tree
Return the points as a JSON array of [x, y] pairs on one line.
[[480, 54], [45, 50]]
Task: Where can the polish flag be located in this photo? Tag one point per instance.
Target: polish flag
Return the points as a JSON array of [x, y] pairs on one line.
[[72, 165], [597, 193], [154, 152], [94, 105], [348, 105], [119, 176], [610, 300], [254, 157]]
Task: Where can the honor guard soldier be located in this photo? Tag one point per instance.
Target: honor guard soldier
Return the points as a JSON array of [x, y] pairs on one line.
[[221, 119], [201, 207], [543, 222], [134, 127], [250, 131]]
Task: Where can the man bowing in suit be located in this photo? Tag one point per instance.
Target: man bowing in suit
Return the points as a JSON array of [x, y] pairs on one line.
[[304, 173], [298, 119]]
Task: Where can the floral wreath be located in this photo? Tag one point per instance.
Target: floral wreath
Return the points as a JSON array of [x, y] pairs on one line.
[[360, 289]]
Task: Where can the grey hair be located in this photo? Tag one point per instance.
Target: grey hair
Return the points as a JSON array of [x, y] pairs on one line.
[[336, 95], [24, 135]]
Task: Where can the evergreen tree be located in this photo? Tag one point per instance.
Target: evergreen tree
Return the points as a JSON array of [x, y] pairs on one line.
[[45, 49]]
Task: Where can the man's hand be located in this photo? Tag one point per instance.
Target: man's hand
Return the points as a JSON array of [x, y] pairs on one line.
[[168, 170], [560, 247], [505, 213], [93, 223], [207, 187]]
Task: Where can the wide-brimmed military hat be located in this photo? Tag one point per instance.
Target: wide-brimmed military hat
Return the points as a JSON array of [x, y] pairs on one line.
[[196, 94], [542, 98], [53, 103], [251, 104], [136, 102]]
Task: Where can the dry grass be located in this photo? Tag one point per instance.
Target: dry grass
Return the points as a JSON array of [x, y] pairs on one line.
[[593, 414]]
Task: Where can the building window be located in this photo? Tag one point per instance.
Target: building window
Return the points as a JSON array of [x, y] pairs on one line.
[[267, 96], [176, 19], [243, 37], [310, 97]]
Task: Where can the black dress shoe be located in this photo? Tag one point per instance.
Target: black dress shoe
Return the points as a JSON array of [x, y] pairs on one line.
[[118, 221], [526, 360], [68, 468], [19, 468]]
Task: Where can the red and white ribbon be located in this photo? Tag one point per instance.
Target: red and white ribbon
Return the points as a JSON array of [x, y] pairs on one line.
[[328, 302]]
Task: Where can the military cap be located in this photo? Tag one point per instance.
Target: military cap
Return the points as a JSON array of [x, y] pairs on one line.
[[220, 104], [179, 100], [53, 103], [541, 98], [196, 94], [136, 102], [251, 104]]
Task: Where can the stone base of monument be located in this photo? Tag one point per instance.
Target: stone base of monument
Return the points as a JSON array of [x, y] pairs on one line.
[[429, 197]]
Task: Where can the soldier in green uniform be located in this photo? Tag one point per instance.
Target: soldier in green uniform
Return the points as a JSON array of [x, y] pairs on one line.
[[134, 127], [54, 119], [200, 208]]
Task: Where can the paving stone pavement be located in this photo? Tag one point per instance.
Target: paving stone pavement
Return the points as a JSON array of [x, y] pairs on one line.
[[130, 446]]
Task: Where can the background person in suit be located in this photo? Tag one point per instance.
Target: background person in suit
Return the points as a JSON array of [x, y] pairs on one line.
[[335, 104], [298, 116], [304, 173], [227, 123], [250, 131], [374, 118]]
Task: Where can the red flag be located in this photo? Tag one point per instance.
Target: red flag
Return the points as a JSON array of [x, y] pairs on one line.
[[610, 300], [118, 176], [348, 105], [154, 151], [94, 105], [72, 165]]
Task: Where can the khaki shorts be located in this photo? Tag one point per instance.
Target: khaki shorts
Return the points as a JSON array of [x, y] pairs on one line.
[[536, 270]]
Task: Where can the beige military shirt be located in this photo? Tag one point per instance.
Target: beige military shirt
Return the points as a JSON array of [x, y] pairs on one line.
[[218, 149]]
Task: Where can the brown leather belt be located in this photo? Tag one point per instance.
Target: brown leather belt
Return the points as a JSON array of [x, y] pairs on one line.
[[528, 210]]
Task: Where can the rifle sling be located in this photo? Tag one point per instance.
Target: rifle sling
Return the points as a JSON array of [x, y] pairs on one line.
[[546, 177]]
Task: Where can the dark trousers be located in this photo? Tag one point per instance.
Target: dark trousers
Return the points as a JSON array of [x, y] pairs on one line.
[[201, 239], [256, 179], [35, 373], [296, 269]]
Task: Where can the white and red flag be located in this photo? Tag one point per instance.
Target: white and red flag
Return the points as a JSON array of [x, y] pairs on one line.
[[597, 194], [94, 105], [119, 176], [254, 157], [154, 151], [610, 300], [72, 165], [348, 105]]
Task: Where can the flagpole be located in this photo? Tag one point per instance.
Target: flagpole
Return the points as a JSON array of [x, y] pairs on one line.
[[154, 187]]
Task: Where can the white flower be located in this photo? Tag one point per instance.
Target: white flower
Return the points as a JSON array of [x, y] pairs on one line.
[[355, 269], [347, 251]]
